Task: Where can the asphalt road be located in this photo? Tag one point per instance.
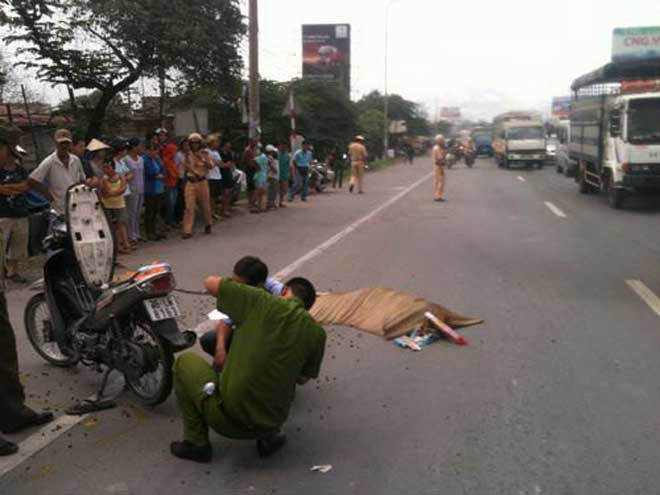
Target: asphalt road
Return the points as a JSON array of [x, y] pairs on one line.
[[557, 393]]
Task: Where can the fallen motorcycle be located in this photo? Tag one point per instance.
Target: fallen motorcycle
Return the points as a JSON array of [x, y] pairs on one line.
[[80, 315]]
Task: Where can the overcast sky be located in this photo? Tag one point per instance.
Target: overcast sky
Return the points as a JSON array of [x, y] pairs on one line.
[[485, 55]]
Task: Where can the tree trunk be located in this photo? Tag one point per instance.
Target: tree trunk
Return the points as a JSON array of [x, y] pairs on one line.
[[72, 100], [109, 92], [98, 114]]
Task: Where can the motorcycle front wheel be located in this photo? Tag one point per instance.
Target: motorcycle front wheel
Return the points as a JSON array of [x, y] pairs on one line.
[[38, 325], [152, 383]]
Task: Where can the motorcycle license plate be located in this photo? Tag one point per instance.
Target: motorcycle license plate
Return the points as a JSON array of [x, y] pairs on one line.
[[162, 308]]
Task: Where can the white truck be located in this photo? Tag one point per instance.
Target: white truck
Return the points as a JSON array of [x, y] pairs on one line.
[[520, 138], [615, 130]]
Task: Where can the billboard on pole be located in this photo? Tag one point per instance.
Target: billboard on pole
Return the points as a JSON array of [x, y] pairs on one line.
[[639, 43], [450, 113], [327, 53], [561, 106]]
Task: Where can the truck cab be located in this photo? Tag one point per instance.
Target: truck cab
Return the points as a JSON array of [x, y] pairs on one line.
[[524, 143], [615, 135]]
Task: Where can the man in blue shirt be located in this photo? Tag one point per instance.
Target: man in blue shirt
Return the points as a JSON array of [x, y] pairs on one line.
[[301, 160]]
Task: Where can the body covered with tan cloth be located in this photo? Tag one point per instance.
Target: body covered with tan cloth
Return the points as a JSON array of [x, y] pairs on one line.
[[384, 312]]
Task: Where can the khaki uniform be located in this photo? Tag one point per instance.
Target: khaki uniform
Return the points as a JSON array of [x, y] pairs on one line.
[[358, 153], [439, 163], [196, 191]]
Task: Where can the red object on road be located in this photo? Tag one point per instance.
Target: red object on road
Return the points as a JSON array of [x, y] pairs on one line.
[[446, 329]]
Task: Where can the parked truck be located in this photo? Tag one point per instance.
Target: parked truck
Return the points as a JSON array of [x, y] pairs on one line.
[[615, 130], [519, 139]]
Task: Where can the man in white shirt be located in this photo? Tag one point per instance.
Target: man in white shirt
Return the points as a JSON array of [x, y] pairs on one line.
[[58, 172]]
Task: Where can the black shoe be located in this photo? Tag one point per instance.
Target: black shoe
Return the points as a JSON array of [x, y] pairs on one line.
[[350, 189], [191, 452], [28, 419], [7, 447], [268, 446]]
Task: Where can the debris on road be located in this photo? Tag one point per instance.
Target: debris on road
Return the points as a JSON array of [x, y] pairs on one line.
[[323, 468]]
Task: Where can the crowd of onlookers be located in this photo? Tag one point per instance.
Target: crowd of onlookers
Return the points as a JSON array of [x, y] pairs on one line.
[[158, 186]]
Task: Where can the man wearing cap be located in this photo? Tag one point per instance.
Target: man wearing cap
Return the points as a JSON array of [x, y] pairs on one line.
[[358, 155], [197, 165], [58, 172], [439, 162], [14, 414]]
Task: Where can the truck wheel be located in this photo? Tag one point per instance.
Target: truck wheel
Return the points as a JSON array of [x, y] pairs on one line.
[[559, 169], [615, 195]]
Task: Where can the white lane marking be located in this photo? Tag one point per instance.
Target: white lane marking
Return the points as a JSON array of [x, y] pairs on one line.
[[647, 295], [39, 440], [521, 178], [317, 251], [555, 210]]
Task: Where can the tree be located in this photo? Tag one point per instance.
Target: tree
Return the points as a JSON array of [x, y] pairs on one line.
[[326, 114], [107, 45], [398, 109], [370, 125]]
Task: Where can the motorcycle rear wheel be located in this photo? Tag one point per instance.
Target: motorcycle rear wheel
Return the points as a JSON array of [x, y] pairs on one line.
[[153, 387], [36, 319]]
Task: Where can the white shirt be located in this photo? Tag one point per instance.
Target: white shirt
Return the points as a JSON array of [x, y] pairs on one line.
[[214, 173], [58, 178], [273, 168]]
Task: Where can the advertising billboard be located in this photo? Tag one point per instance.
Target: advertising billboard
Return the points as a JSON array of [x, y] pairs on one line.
[[639, 43], [450, 113], [327, 53], [561, 106]]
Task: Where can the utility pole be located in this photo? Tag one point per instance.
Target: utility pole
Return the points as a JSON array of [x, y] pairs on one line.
[[253, 34]]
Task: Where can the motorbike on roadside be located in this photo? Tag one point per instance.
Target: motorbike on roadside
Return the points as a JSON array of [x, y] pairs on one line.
[[320, 176], [128, 325]]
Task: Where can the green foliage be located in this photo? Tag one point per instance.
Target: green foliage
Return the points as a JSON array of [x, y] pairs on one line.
[[326, 115], [370, 125], [107, 45]]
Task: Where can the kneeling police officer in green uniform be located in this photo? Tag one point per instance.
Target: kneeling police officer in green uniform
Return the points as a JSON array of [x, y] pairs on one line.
[[277, 345]]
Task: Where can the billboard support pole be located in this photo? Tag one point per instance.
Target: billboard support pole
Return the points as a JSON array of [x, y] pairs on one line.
[[253, 33], [386, 106]]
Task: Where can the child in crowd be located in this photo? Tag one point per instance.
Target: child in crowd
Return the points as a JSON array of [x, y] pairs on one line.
[[112, 188]]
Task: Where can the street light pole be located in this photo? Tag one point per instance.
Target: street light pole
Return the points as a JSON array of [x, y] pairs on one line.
[[386, 106]]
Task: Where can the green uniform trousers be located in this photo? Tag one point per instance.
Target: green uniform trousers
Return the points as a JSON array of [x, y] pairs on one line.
[[199, 410], [12, 396]]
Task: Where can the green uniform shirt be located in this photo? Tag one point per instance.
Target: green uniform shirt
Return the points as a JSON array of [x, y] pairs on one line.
[[276, 343]]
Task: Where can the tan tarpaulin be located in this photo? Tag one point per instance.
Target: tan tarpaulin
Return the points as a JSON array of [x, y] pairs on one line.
[[383, 312]]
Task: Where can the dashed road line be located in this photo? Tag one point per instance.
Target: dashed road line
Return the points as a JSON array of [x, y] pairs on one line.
[[646, 294], [555, 210], [521, 178]]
